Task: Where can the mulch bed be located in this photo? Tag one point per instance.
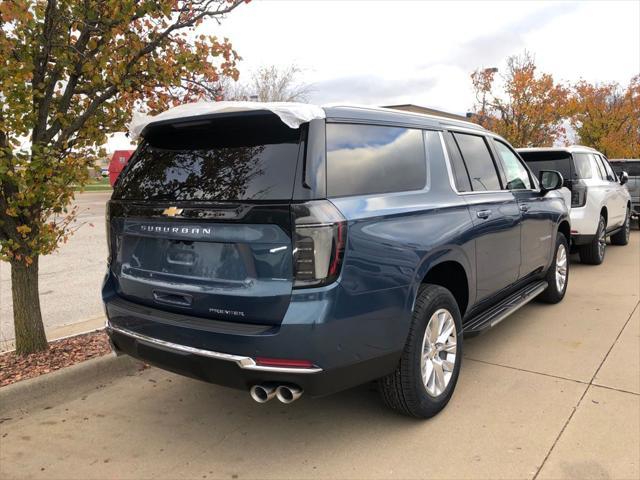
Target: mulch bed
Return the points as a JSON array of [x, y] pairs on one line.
[[61, 353]]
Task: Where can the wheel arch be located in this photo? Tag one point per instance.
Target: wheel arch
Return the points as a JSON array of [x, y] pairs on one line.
[[604, 212], [450, 273], [565, 228]]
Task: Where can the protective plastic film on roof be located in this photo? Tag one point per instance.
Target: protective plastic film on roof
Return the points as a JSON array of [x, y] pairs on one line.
[[291, 114]]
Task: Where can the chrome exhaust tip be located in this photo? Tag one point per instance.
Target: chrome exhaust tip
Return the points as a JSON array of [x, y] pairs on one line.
[[262, 393], [288, 394]]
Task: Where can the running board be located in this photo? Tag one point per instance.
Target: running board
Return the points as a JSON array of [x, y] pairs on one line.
[[490, 318]]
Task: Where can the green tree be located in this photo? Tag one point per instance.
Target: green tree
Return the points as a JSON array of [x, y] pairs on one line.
[[72, 71]]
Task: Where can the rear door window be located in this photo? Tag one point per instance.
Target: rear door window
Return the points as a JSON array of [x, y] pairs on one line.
[[582, 166], [601, 173], [607, 173], [477, 158], [516, 173], [255, 159], [611, 175], [370, 159]]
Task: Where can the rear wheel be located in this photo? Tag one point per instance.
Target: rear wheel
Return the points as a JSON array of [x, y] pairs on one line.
[[622, 237], [558, 274], [426, 376], [593, 253]]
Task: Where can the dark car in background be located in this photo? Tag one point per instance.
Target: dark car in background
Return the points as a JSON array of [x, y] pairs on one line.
[[361, 246], [632, 169]]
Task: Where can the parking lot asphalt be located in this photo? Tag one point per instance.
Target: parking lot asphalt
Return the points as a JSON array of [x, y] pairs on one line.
[[70, 278], [551, 392]]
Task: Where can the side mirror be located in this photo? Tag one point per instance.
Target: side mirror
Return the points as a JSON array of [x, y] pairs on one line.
[[550, 180], [624, 178]]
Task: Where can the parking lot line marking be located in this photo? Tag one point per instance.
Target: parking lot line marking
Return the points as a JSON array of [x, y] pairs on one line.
[[527, 371], [564, 427], [621, 390]]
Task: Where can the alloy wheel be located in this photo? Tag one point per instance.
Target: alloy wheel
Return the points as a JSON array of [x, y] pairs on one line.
[[602, 240], [438, 352], [627, 225], [561, 267]]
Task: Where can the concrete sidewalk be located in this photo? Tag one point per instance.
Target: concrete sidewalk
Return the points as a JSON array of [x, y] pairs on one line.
[[552, 392], [63, 331]]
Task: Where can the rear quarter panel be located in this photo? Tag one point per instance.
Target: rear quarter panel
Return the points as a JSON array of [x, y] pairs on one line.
[[393, 241]]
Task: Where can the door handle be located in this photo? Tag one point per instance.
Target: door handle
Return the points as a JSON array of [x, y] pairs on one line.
[[483, 213], [524, 208]]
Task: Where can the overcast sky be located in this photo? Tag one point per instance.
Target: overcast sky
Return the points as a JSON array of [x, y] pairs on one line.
[[422, 52]]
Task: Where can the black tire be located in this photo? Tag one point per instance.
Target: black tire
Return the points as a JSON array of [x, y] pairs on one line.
[[404, 389], [622, 237], [555, 293], [592, 253]]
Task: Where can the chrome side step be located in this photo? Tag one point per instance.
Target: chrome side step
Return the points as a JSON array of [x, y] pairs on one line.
[[491, 317]]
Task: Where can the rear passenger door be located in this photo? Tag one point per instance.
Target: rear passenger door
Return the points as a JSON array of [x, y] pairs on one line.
[[495, 212], [537, 222], [612, 199], [618, 197]]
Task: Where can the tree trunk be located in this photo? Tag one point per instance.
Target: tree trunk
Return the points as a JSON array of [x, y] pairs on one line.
[[27, 318]]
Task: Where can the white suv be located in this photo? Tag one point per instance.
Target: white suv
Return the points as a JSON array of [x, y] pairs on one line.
[[600, 204]]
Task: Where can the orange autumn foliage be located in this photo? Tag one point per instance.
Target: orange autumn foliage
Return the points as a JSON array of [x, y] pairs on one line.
[[607, 117], [530, 108]]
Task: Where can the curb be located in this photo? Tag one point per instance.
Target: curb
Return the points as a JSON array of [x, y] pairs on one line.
[[65, 384]]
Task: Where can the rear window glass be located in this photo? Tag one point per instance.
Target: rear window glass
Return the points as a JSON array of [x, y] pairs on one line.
[[241, 158], [368, 159], [558, 161]]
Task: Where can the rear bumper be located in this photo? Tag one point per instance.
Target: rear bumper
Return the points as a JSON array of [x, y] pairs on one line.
[[584, 221], [230, 373], [241, 361], [345, 351]]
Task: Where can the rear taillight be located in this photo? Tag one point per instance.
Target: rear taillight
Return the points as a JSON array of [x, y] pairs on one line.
[[319, 241], [578, 194], [283, 363]]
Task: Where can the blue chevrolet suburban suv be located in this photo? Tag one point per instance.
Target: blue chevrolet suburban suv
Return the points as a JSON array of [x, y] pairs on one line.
[[361, 246]]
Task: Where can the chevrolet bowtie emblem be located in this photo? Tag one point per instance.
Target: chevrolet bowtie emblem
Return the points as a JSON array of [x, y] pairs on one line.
[[172, 211]]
